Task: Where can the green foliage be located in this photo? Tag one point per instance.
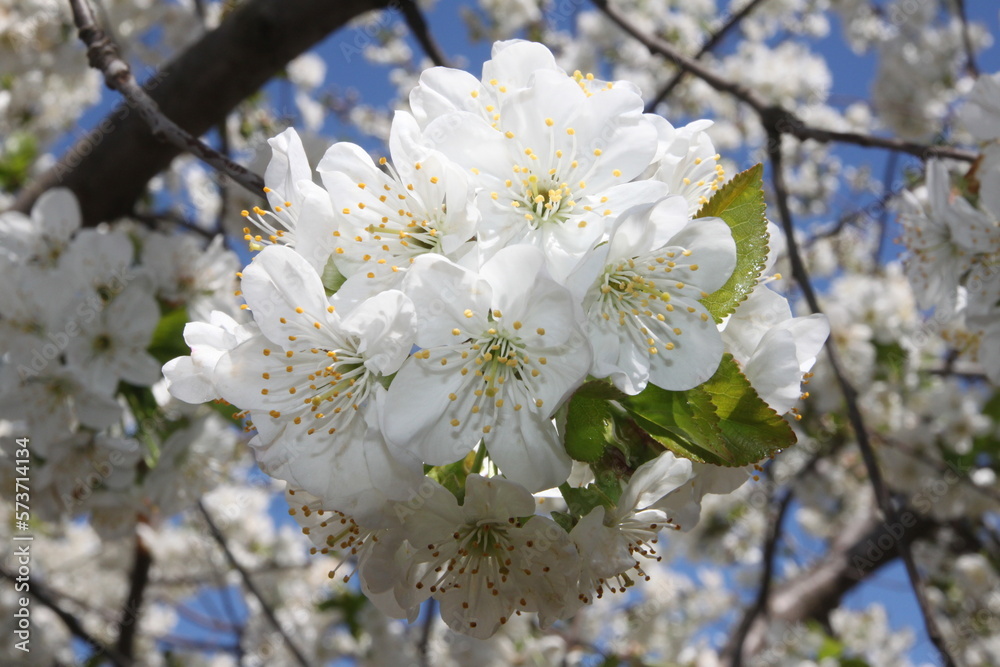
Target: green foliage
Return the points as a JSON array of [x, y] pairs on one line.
[[168, 336], [722, 421], [604, 491], [833, 648], [740, 203], [20, 152], [588, 423], [350, 605]]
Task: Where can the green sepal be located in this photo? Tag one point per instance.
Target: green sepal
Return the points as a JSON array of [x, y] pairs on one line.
[[740, 203], [452, 476], [604, 491], [333, 279], [565, 521]]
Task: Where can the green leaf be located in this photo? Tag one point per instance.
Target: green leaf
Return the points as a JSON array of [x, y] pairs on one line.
[[351, 605], [740, 203], [168, 337], [684, 422], [750, 425], [600, 389], [722, 421], [333, 279], [588, 421]]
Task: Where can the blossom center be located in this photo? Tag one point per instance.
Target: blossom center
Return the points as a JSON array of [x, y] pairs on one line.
[[545, 201]]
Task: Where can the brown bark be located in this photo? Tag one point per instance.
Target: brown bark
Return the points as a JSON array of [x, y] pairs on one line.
[[865, 546], [196, 90]]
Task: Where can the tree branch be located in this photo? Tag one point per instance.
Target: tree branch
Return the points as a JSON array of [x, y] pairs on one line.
[[251, 586], [970, 52], [109, 168], [773, 115], [863, 547], [882, 496], [103, 55], [419, 28], [713, 41], [734, 648], [423, 645], [72, 624], [129, 621]]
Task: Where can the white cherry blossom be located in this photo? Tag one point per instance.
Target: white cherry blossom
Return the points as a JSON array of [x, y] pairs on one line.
[[643, 289], [501, 350]]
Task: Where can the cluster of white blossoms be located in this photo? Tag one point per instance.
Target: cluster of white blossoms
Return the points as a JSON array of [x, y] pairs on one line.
[[82, 312], [952, 232], [538, 271]]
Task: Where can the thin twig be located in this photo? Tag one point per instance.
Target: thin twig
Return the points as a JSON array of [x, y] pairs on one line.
[[713, 41], [221, 183], [72, 623], [942, 466], [104, 56], [882, 496], [423, 646], [418, 27], [251, 586], [205, 620], [883, 218], [129, 621], [773, 115], [158, 220], [734, 650], [190, 644], [970, 53]]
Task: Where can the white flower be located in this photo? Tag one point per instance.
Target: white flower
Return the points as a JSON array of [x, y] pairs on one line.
[[55, 404], [483, 561], [773, 348], [385, 220], [981, 111], [501, 351], [307, 71], [610, 542], [443, 89], [683, 504], [311, 378], [112, 346], [186, 273], [101, 261], [686, 161], [35, 306], [294, 199], [942, 237], [645, 318], [55, 217], [191, 378], [552, 162]]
